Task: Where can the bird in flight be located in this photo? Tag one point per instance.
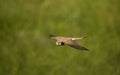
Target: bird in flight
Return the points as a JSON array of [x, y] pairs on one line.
[[69, 41]]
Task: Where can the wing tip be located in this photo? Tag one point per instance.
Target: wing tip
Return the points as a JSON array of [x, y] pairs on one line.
[[85, 49]]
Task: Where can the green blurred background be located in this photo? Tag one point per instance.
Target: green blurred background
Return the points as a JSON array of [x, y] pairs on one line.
[[25, 48]]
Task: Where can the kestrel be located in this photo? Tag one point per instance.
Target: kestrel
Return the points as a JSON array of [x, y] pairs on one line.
[[69, 41]]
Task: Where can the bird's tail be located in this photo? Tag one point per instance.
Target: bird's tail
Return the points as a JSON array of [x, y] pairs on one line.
[[51, 35]]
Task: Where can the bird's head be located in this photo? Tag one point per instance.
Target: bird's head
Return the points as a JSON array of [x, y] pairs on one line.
[[60, 43]]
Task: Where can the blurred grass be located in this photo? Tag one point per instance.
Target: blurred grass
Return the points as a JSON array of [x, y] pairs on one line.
[[25, 48]]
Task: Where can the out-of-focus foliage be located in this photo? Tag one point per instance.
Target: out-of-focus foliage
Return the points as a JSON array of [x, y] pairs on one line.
[[25, 47]]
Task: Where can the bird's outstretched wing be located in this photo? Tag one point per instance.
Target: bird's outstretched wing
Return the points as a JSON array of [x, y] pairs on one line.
[[76, 46]]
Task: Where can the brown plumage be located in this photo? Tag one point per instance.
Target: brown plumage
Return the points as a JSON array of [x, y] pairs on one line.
[[70, 41]]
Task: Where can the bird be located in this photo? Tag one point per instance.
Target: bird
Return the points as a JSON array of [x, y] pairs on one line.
[[69, 41]]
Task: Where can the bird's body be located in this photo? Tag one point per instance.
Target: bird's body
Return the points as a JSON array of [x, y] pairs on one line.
[[70, 41]]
